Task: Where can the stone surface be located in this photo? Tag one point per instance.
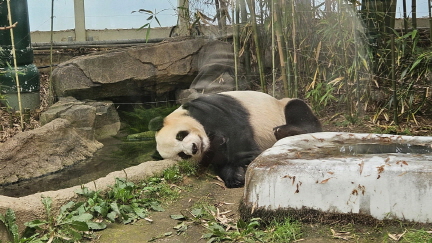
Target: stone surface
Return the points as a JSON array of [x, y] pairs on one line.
[[151, 70], [342, 173], [156, 68], [44, 150], [92, 119]]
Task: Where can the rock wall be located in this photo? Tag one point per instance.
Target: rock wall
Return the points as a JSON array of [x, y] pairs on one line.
[[43, 150], [70, 133], [134, 71]]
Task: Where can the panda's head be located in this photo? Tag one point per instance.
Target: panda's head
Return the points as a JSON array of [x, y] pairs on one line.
[[181, 137]]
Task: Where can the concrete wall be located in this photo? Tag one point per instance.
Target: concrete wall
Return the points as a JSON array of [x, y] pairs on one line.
[[155, 33], [117, 34], [100, 35]]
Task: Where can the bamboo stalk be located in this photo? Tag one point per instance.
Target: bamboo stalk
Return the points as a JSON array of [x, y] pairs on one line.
[[430, 19], [246, 52], [281, 46], [50, 90], [257, 45], [294, 93], [393, 78], [15, 66], [236, 22], [414, 13], [405, 18], [273, 47]]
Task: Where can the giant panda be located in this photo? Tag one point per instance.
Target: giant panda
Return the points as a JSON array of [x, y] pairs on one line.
[[228, 130]]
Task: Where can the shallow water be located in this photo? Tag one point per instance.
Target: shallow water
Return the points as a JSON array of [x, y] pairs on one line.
[[355, 149], [105, 160]]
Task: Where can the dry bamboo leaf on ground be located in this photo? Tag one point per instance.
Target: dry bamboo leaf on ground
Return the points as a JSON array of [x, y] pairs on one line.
[[396, 237], [344, 235]]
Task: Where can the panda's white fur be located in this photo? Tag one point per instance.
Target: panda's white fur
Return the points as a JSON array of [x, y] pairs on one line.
[[265, 111]]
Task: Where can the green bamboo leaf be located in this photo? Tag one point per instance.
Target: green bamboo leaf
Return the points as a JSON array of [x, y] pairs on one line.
[[148, 33], [417, 62], [157, 20], [142, 27], [143, 10]]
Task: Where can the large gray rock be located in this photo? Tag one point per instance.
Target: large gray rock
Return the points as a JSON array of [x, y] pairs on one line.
[[44, 150], [156, 68], [92, 119]]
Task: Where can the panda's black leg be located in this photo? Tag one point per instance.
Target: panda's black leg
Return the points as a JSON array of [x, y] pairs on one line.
[[233, 176]]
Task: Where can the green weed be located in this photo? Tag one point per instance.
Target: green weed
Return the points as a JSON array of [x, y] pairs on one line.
[[417, 236], [253, 231], [72, 223], [320, 96], [9, 220]]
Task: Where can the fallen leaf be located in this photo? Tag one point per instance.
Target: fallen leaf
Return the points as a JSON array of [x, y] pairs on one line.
[[325, 181], [396, 237], [344, 235], [361, 167]]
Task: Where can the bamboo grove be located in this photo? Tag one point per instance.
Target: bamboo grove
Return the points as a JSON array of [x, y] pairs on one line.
[[343, 55]]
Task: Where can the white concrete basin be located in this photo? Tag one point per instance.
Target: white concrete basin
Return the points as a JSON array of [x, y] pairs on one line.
[[331, 173]]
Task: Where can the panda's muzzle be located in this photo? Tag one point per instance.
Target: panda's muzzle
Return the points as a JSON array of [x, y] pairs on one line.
[[194, 148]]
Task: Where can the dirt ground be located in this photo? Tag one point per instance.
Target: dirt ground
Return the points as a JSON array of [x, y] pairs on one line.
[[161, 228], [198, 191]]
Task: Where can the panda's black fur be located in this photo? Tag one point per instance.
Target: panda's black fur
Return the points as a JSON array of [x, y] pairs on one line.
[[232, 146], [229, 130], [299, 120]]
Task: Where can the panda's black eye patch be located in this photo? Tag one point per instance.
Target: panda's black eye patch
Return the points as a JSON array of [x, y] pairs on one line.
[[181, 135], [184, 156]]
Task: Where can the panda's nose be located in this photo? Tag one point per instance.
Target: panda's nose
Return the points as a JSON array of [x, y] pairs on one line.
[[194, 148]]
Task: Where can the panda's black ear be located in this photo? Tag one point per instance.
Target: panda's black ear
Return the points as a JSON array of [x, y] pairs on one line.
[[156, 124]]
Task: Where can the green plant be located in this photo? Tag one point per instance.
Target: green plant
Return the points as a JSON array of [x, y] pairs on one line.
[[320, 96], [9, 220], [71, 224], [122, 203], [253, 231], [221, 229], [417, 236], [187, 168], [411, 69], [151, 15], [127, 202], [285, 231]]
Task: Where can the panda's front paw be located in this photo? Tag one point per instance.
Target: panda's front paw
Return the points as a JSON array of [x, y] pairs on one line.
[[233, 176], [234, 183]]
